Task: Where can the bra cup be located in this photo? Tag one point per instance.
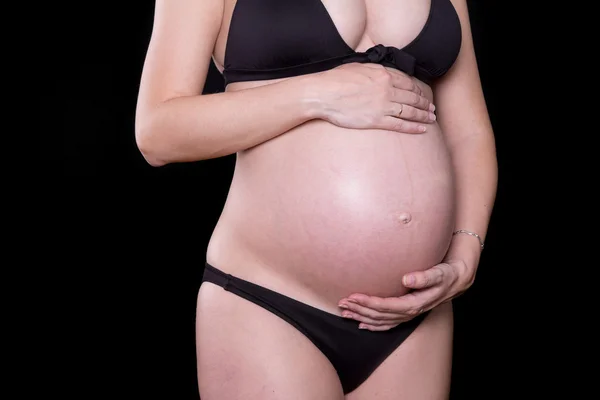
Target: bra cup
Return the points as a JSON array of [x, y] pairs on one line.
[[272, 39]]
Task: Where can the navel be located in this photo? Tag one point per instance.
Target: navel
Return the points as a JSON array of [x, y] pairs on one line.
[[404, 218]]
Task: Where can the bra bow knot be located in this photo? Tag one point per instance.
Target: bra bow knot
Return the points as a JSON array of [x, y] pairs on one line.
[[392, 57]]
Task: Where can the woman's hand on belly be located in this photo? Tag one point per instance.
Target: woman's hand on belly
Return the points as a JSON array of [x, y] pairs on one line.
[[370, 96], [432, 287]]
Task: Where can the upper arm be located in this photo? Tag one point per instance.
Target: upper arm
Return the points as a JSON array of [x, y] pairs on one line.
[[459, 99], [180, 49]]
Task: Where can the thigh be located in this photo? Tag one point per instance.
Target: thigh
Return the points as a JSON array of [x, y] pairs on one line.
[[420, 368], [246, 352]]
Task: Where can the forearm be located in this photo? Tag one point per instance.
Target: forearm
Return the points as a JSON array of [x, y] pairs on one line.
[[208, 126], [476, 176]]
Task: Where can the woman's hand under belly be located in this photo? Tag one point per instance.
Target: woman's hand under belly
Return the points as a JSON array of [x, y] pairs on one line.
[[342, 211]]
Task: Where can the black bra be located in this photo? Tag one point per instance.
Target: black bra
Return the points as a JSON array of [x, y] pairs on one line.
[[270, 39]]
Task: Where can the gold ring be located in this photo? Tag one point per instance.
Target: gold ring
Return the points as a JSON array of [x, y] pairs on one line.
[[401, 109]]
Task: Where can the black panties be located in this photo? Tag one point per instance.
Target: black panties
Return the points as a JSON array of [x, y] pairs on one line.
[[354, 353]]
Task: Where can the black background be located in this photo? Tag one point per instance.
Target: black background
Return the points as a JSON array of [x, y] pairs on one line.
[[130, 240]]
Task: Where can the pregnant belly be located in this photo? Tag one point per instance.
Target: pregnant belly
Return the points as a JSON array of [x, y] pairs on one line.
[[341, 211]]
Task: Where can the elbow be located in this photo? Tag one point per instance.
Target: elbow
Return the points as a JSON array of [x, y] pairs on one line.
[[149, 143], [160, 144]]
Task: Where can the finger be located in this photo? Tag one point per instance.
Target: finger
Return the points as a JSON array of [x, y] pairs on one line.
[[404, 82], [400, 79], [371, 321], [374, 66], [370, 313], [410, 98], [411, 113], [390, 123], [410, 304], [420, 90], [424, 279], [376, 328]]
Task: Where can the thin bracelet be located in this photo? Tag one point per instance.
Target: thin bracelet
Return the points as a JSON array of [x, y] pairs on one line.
[[469, 233]]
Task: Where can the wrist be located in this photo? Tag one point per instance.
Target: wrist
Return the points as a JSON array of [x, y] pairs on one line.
[[466, 249], [311, 96]]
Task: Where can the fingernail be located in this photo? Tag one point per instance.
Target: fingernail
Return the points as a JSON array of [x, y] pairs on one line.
[[409, 280], [342, 305], [352, 301], [346, 315], [422, 128], [431, 107], [432, 117], [361, 326]]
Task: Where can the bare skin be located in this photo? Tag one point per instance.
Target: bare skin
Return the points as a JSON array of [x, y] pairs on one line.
[[323, 204], [351, 222]]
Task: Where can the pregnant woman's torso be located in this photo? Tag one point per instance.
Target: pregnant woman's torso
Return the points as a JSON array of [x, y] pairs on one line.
[[321, 211]]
